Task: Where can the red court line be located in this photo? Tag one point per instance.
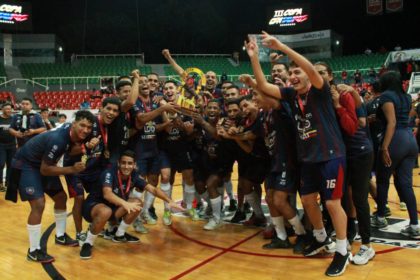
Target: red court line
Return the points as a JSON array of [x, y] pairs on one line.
[[389, 250], [262, 254], [214, 257]]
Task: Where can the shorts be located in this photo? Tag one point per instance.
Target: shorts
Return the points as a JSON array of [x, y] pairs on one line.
[[148, 166], [90, 202], [180, 161], [285, 181], [33, 185], [77, 184], [327, 178], [253, 169], [205, 167]]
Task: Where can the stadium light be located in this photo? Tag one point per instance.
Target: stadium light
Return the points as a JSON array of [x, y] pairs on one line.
[[60, 48], [337, 42]]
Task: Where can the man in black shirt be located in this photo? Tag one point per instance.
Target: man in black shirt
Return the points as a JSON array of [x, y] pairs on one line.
[[7, 143]]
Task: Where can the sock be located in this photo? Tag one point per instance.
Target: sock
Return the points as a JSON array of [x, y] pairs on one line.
[[255, 203], [148, 201], [229, 189], [167, 189], [122, 228], [297, 225], [60, 222], [320, 234], [189, 195], [341, 246], [415, 227], [34, 237], [278, 223], [216, 204], [90, 237]]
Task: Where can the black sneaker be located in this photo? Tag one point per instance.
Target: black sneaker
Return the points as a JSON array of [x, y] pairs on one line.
[[86, 251], [232, 205], [108, 235], [39, 256], [302, 241], [125, 238], [66, 240], [238, 217], [316, 247], [277, 243], [152, 213], [339, 264]]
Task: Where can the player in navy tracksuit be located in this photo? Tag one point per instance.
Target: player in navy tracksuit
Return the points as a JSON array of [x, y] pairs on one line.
[[35, 172], [320, 146], [112, 199], [398, 152]]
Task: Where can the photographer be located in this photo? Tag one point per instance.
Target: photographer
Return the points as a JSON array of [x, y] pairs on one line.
[[26, 123]]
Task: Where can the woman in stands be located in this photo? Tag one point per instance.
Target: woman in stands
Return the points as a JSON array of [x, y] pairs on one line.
[[398, 152]]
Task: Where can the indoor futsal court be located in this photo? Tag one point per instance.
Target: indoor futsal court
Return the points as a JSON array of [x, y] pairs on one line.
[[185, 251]]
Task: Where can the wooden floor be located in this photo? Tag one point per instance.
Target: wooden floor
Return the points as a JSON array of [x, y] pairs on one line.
[[186, 251]]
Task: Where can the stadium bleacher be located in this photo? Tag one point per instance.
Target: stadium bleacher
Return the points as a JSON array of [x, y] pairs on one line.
[[88, 67], [68, 100]]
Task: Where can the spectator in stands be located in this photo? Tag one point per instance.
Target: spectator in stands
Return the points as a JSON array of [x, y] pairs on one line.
[[357, 77], [368, 51], [48, 123], [85, 105], [344, 77]]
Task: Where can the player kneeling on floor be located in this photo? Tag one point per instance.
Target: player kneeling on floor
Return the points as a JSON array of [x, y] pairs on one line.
[[113, 202]]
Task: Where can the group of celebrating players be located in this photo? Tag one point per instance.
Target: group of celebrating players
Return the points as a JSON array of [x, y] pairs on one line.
[[299, 133]]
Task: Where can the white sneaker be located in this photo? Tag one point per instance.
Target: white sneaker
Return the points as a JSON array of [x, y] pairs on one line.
[[149, 220], [139, 226], [364, 255], [212, 224], [403, 206], [193, 214], [167, 219]]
